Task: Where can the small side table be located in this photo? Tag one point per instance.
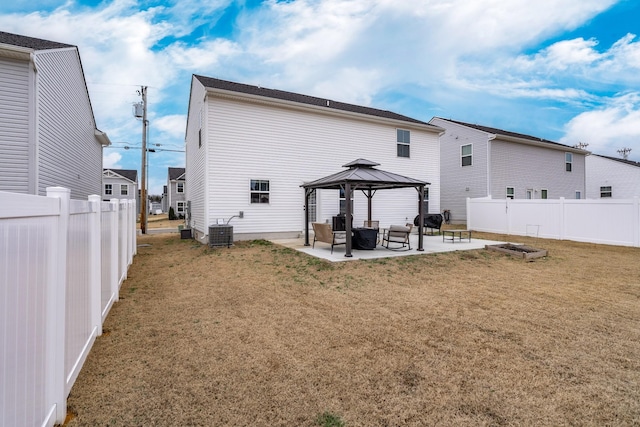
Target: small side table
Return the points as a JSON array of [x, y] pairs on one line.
[[452, 234]]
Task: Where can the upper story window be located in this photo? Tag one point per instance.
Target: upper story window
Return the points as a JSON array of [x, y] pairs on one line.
[[606, 191], [259, 191], [108, 189], [578, 195], [403, 139], [568, 162], [511, 193], [466, 153], [124, 190], [544, 194], [180, 187]]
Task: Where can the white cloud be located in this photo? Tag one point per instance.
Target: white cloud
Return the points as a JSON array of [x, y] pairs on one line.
[[173, 125], [111, 160], [608, 129]]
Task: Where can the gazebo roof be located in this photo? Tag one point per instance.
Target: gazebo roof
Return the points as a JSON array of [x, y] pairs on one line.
[[362, 174]]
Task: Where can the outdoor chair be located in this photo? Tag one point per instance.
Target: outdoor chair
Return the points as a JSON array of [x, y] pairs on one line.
[[398, 234], [323, 233]]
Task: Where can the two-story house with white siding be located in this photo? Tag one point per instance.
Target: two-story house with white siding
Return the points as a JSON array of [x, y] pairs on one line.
[[612, 178], [176, 195], [249, 149], [48, 134], [120, 184], [480, 161]]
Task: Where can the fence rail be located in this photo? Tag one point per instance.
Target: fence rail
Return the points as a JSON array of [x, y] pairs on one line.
[[62, 263], [612, 222]]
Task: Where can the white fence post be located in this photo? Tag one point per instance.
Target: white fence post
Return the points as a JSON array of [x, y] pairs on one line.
[[95, 262], [561, 219], [469, 218], [115, 271], [122, 240], [55, 308], [636, 221]]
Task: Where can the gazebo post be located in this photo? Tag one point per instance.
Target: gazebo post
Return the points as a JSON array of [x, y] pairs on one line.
[[369, 196], [421, 215], [347, 221], [307, 192]]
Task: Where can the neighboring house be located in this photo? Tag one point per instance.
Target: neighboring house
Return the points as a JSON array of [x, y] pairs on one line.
[[176, 193], [479, 161], [610, 177], [48, 134], [120, 184], [248, 149]]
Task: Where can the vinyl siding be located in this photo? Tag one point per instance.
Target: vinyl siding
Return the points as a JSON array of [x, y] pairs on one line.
[[174, 196], [15, 84], [195, 160], [288, 147], [458, 182], [529, 167], [69, 153], [116, 183], [623, 179]]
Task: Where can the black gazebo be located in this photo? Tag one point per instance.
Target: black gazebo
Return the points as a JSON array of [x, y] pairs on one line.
[[362, 175]]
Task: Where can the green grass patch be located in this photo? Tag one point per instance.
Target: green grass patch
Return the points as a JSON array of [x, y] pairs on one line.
[[327, 419]]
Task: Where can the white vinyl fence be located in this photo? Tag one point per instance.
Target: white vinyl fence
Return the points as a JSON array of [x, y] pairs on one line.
[[62, 263], [612, 222]]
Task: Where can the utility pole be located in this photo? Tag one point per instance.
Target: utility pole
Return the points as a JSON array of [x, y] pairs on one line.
[[143, 194]]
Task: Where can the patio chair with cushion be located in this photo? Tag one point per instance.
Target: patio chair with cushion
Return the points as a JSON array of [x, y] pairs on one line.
[[398, 234], [323, 233]]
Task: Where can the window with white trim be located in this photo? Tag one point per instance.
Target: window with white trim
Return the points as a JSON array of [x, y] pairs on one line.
[[124, 189], [466, 155], [259, 191], [403, 139], [568, 162], [606, 191], [511, 193], [529, 193], [108, 189], [544, 193], [180, 187], [181, 207], [578, 195]]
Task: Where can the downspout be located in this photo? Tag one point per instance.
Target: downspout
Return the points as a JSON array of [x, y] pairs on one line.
[[489, 185], [34, 130]]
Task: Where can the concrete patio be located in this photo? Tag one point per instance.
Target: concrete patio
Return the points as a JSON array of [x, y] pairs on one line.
[[431, 244]]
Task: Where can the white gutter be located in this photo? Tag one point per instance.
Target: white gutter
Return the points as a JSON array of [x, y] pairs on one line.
[[102, 138], [16, 52]]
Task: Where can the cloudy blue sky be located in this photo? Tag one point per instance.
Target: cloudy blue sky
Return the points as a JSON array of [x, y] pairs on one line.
[[564, 70]]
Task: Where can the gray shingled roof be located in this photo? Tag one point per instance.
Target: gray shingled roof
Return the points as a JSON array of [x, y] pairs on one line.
[[30, 42], [503, 132], [617, 159], [363, 174], [130, 174], [175, 173], [303, 99]]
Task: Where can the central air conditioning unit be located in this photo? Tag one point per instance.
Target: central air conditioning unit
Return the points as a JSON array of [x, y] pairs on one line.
[[220, 235]]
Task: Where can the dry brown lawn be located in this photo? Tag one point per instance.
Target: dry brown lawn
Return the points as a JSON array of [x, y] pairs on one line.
[[261, 335], [161, 221]]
